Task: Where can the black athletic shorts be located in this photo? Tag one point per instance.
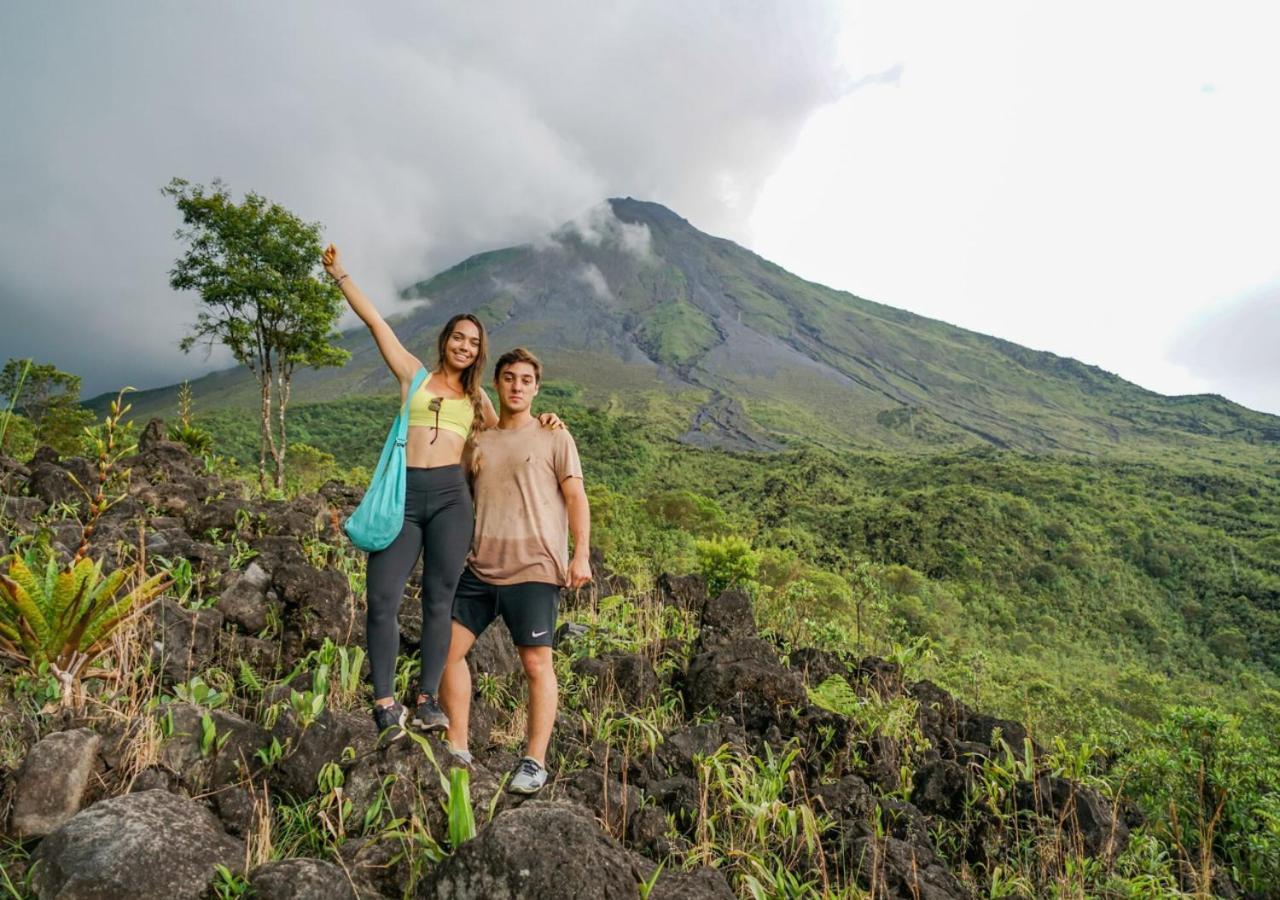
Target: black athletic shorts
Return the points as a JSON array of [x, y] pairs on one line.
[[528, 608]]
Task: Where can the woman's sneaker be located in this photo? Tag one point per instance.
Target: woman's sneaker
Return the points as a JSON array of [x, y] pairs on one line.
[[429, 716], [390, 722], [527, 777]]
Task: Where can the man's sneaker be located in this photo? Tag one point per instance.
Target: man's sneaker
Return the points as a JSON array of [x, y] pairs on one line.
[[429, 716], [527, 777], [390, 721], [458, 755]]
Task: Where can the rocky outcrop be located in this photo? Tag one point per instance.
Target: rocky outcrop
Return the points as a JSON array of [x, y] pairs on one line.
[[145, 846], [515, 857], [301, 879], [51, 783]]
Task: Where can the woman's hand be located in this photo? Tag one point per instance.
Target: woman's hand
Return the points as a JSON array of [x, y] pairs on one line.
[[332, 264], [550, 420]]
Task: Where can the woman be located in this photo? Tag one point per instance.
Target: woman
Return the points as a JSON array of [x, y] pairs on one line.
[[443, 414]]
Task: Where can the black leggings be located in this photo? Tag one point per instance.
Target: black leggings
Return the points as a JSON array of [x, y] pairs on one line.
[[438, 519]]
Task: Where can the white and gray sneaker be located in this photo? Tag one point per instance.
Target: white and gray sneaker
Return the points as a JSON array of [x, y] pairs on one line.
[[527, 777], [458, 755]]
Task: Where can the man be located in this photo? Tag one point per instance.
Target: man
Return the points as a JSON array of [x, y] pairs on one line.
[[527, 485]]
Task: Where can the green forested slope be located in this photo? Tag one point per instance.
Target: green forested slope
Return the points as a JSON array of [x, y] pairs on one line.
[[1065, 589]]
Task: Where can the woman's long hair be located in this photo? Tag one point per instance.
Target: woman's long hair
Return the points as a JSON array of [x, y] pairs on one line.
[[473, 375]]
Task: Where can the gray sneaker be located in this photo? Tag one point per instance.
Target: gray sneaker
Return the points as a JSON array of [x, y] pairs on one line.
[[459, 756], [527, 777], [428, 716]]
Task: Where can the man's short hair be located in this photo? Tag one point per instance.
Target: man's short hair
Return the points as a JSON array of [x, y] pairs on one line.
[[518, 355]]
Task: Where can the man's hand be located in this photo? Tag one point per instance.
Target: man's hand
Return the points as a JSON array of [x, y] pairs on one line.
[[550, 420], [579, 571]]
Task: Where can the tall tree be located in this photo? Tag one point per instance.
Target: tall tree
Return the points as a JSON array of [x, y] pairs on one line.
[[49, 399], [256, 267]]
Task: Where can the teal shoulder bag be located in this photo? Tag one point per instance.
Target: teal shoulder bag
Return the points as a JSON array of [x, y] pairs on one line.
[[380, 515]]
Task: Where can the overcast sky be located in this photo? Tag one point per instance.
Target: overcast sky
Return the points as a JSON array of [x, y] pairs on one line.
[[1099, 180]]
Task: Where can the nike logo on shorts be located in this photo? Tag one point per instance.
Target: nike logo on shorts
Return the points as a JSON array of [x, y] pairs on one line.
[[539, 633]]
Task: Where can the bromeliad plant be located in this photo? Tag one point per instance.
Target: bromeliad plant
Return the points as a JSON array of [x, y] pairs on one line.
[[63, 617]]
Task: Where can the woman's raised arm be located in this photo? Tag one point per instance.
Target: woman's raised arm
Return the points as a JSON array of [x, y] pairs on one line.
[[400, 361]]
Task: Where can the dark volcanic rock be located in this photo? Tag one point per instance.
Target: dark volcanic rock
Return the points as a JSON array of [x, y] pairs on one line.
[[229, 757], [188, 639], [318, 605], [611, 802], [632, 674], [51, 782], [301, 879], [145, 846], [683, 591], [54, 484], [727, 616], [22, 511], [1082, 811], [494, 653], [244, 599], [700, 884], [940, 787], [905, 870], [989, 730], [850, 801], [742, 677], [676, 753], [323, 741], [539, 849]]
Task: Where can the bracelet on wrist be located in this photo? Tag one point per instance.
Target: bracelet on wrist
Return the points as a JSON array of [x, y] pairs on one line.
[[342, 278]]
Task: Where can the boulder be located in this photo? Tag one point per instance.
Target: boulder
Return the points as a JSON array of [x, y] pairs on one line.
[[301, 879], [610, 801], [899, 869], [235, 808], [683, 591], [939, 788], [22, 512], [1081, 811], [214, 517], [188, 639], [152, 433], [318, 605], [163, 460], [631, 674], [494, 653], [151, 845], [850, 801], [244, 601], [54, 484], [744, 677], [308, 749], [676, 754], [51, 782], [275, 551], [989, 730], [700, 884], [727, 616], [226, 758], [538, 849]]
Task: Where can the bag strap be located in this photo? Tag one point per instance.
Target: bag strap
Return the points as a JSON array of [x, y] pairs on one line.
[[402, 418]]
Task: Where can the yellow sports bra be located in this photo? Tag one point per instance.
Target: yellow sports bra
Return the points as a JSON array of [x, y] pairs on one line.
[[455, 413]]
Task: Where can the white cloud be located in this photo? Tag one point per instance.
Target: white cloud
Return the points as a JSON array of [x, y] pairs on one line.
[[1055, 176], [418, 134], [598, 226], [592, 277]]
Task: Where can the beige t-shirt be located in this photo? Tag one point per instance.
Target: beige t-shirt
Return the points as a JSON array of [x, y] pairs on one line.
[[522, 523]]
